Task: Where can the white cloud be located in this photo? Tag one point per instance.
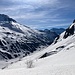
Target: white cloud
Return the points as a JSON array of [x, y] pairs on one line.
[[39, 11], [30, 15], [59, 25], [26, 9], [37, 2], [33, 4]]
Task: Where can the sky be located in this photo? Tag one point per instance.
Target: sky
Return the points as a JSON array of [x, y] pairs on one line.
[[40, 14]]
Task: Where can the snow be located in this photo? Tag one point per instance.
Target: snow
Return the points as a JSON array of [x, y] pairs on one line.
[[62, 63], [4, 51], [63, 70], [25, 29]]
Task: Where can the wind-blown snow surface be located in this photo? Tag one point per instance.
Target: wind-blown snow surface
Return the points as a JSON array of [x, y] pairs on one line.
[[60, 63]]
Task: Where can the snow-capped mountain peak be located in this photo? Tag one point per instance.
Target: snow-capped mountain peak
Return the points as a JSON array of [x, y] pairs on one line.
[[6, 21], [69, 31]]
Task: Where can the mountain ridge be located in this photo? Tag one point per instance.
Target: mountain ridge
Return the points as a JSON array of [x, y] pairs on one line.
[[17, 40]]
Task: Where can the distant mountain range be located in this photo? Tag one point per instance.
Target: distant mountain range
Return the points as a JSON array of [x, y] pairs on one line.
[[58, 30]]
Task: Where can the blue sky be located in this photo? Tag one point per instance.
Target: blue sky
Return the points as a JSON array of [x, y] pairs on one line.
[[40, 14]]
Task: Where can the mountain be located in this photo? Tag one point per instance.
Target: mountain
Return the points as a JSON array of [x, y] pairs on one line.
[[48, 35], [57, 59], [58, 30], [51, 34], [68, 32], [18, 40]]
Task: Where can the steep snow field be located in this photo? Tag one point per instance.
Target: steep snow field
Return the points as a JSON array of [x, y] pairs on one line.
[[61, 63]]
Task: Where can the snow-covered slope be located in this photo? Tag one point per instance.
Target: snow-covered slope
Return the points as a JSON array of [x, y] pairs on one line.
[[57, 59]]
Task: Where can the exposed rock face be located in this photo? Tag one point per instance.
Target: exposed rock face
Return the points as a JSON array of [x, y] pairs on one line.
[[4, 18], [74, 21], [70, 30]]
